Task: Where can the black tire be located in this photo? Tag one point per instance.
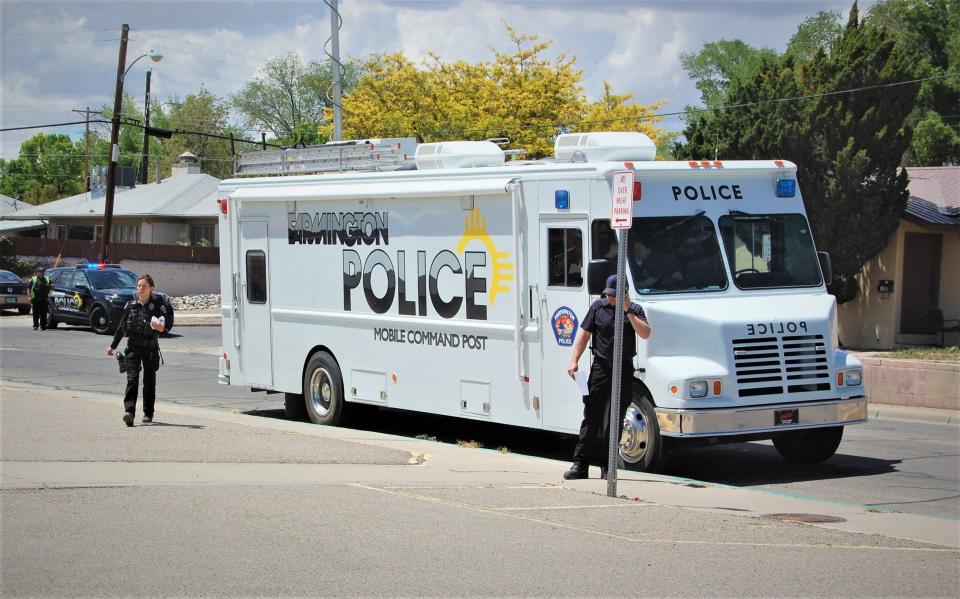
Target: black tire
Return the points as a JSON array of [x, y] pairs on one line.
[[645, 449], [323, 390], [168, 320], [100, 321], [23, 310], [293, 406], [51, 321], [809, 446]]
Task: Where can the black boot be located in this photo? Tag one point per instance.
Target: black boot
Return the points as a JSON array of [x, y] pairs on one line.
[[576, 471]]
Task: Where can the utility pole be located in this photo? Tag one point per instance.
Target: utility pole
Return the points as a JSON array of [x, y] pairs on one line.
[[114, 148], [86, 147], [146, 137], [335, 67]]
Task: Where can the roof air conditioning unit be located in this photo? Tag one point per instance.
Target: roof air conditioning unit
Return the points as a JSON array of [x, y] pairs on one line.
[[605, 146], [458, 154]]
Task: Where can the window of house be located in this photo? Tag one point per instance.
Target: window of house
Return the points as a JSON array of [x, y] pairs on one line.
[[565, 255], [256, 277], [126, 233], [201, 235]]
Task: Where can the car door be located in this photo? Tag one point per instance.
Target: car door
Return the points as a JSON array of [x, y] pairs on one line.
[[61, 294], [82, 296]]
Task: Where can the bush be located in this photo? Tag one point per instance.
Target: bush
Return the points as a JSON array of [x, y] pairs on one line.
[[9, 261]]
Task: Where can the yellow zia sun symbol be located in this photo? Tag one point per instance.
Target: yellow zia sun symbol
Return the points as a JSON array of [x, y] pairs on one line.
[[475, 228], [79, 299]]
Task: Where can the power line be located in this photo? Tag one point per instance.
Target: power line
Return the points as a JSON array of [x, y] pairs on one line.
[[215, 49], [51, 125], [57, 43]]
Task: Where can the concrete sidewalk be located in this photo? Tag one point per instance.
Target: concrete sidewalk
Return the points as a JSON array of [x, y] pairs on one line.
[[232, 504]]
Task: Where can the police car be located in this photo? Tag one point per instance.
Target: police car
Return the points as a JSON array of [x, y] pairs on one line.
[[94, 295]]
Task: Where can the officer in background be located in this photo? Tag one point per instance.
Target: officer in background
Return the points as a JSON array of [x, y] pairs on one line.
[[39, 292], [599, 324], [142, 322]]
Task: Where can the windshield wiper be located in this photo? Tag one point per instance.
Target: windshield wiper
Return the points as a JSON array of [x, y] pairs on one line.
[[696, 214], [740, 214]]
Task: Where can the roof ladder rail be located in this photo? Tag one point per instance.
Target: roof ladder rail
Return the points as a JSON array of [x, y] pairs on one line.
[[358, 155]]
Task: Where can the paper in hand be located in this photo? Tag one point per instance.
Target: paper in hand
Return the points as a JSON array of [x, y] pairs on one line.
[[581, 378]]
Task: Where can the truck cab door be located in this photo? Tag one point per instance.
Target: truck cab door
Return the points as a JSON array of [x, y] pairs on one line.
[[563, 303]]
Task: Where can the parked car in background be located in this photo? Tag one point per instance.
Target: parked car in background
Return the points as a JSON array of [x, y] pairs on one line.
[[13, 292], [94, 295]]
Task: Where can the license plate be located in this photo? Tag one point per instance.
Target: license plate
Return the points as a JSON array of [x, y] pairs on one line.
[[791, 416], [10, 300]]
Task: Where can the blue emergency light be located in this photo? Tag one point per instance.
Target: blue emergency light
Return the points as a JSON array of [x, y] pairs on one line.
[[561, 199], [786, 188], [94, 266]]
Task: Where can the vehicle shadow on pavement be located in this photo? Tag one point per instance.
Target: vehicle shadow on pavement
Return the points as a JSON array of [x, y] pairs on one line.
[[759, 463]]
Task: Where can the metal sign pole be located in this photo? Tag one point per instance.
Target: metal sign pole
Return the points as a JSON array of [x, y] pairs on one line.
[[614, 448]]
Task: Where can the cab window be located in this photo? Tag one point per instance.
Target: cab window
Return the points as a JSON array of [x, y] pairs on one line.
[[65, 279], [770, 250], [565, 255], [80, 279]]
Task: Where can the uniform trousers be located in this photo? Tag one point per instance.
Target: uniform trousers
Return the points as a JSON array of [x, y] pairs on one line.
[[139, 357], [594, 442], [39, 307]]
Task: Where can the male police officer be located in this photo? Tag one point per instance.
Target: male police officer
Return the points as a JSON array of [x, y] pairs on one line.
[[39, 290], [599, 323], [142, 322]]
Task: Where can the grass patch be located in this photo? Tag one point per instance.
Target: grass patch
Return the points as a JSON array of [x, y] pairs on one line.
[[469, 444], [425, 438], [931, 354], [503, 450]]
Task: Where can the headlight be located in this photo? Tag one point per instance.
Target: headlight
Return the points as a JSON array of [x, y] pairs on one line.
[[698, 389], [854, 377]]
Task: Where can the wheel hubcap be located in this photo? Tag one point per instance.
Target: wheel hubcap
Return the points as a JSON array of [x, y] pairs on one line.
[[633, 446], [321, 391]]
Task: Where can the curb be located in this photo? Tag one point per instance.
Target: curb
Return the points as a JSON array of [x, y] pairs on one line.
[[882, 411]]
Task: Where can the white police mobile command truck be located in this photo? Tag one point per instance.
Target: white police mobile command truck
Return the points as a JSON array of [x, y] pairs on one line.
[[457, 288]]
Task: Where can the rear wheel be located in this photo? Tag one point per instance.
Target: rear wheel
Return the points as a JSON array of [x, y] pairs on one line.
[[809, 446], [23, 310], [100, 321], [323, 390], [642, 448]]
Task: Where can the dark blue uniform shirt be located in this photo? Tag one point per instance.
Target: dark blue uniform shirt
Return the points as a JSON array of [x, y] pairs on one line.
[[599, 322]]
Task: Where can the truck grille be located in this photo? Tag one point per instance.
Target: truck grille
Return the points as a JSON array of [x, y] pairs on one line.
[[768, 365]]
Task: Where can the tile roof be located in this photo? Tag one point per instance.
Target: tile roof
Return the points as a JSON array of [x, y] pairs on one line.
[[934, 194], [181, 196]]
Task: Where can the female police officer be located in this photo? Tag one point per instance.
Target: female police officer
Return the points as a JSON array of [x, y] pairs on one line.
[[599, 323], [142, 322]]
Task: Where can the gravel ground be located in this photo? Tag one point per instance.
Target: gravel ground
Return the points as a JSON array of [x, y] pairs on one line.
[[209, 302]]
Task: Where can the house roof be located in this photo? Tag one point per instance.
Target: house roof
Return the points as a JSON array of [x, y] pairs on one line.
[[10, 205], [934, 194], [181, 196]]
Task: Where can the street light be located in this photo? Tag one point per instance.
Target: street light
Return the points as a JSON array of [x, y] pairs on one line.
[[122, 71]]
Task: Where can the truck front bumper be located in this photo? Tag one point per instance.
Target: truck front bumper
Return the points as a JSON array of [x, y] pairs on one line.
[[761, 419]]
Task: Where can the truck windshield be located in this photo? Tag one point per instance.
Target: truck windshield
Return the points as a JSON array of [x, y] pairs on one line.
[[675, 254], [770, 250], [112, 279]]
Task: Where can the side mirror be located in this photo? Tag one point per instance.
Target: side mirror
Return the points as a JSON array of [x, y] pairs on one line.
[[597, 273], [825, 267]]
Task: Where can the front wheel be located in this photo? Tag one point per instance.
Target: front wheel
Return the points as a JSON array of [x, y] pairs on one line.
[[323, 390], [809, 446], [51, 321], [99, 321], [641, 445]]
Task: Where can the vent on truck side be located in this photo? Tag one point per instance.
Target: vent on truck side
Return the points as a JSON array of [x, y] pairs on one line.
[[765, 365]]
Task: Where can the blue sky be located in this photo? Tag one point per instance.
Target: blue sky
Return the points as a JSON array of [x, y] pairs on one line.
[[56, 56]]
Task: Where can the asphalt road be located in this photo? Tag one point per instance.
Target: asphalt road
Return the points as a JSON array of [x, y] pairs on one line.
[[885, 465]]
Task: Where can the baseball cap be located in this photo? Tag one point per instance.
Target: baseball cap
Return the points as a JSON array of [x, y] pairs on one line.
[[611, 285]]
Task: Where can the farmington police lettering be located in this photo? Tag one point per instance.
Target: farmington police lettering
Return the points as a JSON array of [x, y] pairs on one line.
[[413, 277], [430, 338], [338, 228], [564, 323]]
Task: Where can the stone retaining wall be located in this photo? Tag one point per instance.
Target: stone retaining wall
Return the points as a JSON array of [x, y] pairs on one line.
[[912, 382]]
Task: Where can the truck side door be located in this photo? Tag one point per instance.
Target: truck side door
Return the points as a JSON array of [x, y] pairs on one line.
[[563, 302]]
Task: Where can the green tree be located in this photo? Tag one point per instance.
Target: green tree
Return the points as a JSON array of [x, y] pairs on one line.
[[287, 98], [847, 145], [48, 167], [207, 113]]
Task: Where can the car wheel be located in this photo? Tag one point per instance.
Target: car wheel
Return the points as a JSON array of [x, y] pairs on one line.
[[100, 321], [809, 446], [642, 447], [323, 390], [23, 310], [168, 320], [51, 321]]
